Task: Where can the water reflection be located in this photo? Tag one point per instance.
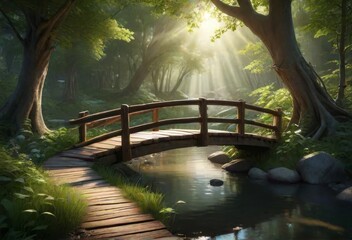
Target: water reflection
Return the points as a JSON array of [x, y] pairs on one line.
[[263, 211]]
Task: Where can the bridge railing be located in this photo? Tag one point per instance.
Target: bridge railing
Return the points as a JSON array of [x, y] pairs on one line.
[[122, 115]]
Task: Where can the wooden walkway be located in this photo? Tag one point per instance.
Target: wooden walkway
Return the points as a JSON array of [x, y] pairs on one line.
[[126, 141], [143, 143], [109, 215]]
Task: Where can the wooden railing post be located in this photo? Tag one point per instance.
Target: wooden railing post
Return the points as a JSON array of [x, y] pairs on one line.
[[155, 117], [125, 133], [241, 112], [277, 122], [82, 130], [203, 112]]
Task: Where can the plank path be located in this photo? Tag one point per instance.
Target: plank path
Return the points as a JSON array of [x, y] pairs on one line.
[[110, 215]]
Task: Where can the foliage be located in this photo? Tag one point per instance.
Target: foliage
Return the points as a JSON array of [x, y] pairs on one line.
[[260, 59], [39, 148], [293, 146], [32, 207], [269, 97], [148, 201]]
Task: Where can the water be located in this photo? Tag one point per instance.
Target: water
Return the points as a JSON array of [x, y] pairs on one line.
[[261, 211]]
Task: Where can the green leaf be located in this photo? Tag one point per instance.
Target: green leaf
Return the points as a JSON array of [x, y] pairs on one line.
[[21, 196], [167, 210], [180, 202], [20, 180], [28, 189], [30, 211], [50, 198], [40, 227], [48, 213]]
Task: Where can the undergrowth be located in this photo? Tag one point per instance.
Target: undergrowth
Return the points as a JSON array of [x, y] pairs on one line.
[[292, 147], [32, 207], [40, 148], [146, 199]]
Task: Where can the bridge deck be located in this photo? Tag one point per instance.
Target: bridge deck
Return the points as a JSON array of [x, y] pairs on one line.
[[109, 215], [148, 142]]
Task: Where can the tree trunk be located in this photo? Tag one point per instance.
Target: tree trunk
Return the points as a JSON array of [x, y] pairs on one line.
[[138, 78], [25, 103], [70, 85], [314, 110]]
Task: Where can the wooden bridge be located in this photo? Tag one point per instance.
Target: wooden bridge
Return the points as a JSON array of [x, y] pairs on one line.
[[110, 215], [127, 141]]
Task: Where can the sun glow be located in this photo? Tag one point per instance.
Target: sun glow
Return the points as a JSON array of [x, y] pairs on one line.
[[208, 25]]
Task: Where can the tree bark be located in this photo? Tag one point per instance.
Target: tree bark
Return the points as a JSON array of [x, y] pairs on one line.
[[25, 103], [313, 109]]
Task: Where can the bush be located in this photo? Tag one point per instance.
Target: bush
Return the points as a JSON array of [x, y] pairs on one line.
[[40, 148]]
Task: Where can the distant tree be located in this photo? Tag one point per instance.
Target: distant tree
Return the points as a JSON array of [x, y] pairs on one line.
[[168, 75], [39, 26], [164, 41], [333, 20]]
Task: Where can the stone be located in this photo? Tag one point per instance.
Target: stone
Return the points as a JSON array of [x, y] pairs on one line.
[[345, 195], [219, 157], [256, 173], [283, 175], [321, 168], [238, 166], [216, 182]]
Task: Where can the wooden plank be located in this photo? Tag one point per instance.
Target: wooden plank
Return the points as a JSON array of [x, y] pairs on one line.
[[111, 213], [117, 200], [61, 162], [67, 173], [64, 170], [95, 184], [116, 221], [156, 135], [101, 145], [99, 189], [98, 208], [89, 157], [104, 197], [77, 181], [163, 233], [126, 229]]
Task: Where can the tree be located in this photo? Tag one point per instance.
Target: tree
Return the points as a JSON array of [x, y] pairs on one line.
[[165, 41], [39, 26], [168, 74], [333, 19], [313, 109]]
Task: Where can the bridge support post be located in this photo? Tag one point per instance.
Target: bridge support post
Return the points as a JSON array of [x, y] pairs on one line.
[[203, 112], [241, 113], [155, 117], [82, 130], [277, 122], [125, 133]]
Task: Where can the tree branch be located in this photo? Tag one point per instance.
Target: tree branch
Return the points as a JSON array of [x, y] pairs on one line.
[[60, 15], [18, 35], [228, 9]]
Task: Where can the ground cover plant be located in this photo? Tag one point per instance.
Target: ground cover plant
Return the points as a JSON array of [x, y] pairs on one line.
[[148, 201], [32, 206]]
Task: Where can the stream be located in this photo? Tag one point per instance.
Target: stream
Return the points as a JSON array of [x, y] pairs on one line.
[[258, 209]]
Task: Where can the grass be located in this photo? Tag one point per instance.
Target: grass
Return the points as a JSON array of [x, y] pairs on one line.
[[148, 201], [33, 207]]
